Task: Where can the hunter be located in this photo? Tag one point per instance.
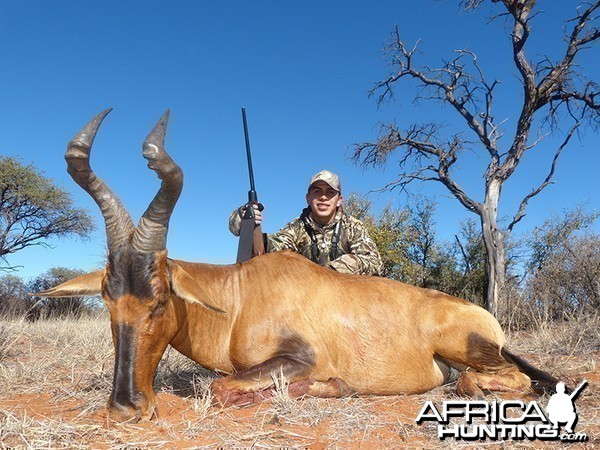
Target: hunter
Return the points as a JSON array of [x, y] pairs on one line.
[[323, 233]]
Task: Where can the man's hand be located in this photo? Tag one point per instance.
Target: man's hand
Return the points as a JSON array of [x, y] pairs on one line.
[[257, 212], [235, 220]]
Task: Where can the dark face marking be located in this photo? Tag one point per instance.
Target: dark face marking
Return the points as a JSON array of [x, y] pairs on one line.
[[124, 393], [133, 273]]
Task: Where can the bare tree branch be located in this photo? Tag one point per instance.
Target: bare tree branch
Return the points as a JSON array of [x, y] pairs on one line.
[[451, 83], [520, 11], [8, 267], [521, 212], [417, 145], [554, 89], [465, 256], [553, 83]]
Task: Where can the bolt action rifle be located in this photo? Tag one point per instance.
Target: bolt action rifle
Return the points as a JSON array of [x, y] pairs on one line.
[[579, 388], [251, 237]]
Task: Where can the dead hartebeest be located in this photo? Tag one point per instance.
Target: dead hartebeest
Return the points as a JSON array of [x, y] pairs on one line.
[[329, 334]]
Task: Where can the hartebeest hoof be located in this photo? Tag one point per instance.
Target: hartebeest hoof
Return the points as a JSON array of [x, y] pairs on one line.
[[467, 387], [472, 384], [130, 414]]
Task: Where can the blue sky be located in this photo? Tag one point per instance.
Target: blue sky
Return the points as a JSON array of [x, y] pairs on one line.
[[302, 69]]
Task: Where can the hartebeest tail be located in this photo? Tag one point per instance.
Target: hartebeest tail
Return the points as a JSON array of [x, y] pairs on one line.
[[329, 334]]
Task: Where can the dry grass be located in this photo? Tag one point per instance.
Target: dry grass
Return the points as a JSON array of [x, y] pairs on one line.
[[560, 346], [55, 378]]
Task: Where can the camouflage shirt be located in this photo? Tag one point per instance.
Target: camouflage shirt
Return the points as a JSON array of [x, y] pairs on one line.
[[356, 251]]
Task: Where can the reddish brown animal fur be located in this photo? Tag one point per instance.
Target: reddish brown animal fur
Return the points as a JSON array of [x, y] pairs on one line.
[[329, 334]]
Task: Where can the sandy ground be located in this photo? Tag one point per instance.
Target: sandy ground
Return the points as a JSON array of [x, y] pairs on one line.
[[55, 378]]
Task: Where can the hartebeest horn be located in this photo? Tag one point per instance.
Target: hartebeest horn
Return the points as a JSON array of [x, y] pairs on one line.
[[119, 225], [151, 232]]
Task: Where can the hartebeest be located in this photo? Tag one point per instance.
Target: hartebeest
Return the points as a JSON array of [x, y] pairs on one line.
[[329, 334]]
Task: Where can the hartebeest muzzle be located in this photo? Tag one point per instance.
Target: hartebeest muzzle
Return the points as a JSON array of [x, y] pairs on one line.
[[127, 401]]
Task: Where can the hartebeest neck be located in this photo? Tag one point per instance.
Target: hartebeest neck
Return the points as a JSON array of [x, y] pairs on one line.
[[205, 303]]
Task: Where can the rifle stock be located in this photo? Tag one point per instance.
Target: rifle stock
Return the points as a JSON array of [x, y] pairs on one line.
[[258, 242]]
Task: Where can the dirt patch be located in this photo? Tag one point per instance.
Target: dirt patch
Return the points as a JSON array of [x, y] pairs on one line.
[[56, 377]]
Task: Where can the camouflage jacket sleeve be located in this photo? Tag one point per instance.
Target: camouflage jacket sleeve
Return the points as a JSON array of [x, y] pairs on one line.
[[288, 238], [363, 257], [235, 222]]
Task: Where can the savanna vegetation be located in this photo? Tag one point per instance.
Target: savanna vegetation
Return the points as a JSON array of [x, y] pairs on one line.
[[33, 209], [553, 271]]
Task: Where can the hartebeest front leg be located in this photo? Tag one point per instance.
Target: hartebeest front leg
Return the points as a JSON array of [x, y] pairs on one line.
[[226, 396], [251, 385], [256, 383], [151, 233]]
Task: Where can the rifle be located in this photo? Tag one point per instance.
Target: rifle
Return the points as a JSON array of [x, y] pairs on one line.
[[251, 237], [576, 392]]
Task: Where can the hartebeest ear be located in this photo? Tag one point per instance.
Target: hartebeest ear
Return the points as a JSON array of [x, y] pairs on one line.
[[88, 284], [185, 287]]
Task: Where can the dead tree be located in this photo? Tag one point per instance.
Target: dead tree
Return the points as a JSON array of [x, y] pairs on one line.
[[553, 91]]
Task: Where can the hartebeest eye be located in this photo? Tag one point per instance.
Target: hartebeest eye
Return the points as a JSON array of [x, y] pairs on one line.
[[159, 309]]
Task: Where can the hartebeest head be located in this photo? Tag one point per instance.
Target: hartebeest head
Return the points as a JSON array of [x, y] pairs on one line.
[[135, 284]]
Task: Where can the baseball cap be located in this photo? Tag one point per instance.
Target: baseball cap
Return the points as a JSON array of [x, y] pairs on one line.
[[328, 177]]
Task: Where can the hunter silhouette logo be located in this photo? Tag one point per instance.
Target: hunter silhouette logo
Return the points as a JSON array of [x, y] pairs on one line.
[[561, 407], [508, 419]]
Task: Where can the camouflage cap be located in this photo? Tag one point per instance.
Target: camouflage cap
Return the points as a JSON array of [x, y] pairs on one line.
[[328, 177]]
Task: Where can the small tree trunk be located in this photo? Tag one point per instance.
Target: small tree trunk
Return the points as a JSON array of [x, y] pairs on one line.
[[495, 259]]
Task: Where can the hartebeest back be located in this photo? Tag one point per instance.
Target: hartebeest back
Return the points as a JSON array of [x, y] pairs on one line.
[[329, 334]]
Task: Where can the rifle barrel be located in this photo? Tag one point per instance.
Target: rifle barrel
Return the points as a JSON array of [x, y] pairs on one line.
[[252, 193], [578, 389]]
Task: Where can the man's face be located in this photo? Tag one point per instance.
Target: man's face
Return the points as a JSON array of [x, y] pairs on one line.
[[323, 201]]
